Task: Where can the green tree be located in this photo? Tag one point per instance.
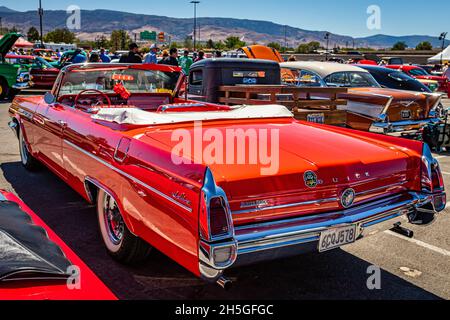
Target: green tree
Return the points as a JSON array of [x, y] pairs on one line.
[[308, 47], [220, 45], [274, 45], [174, 45], [233, 42], [33, 34], [120, 40], [425, 46], [59, 36], [400, 46]]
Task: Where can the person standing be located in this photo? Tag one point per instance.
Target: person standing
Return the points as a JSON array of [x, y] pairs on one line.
[[151, 57], [172, 59], [132, 56], [185, 62], [201, 56], [78, 57], [104, 57]]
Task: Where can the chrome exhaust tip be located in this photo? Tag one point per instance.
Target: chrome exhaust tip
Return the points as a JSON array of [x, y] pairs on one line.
[[225, 283]]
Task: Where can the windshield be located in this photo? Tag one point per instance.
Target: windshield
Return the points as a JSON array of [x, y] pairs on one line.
[[352, 79], [301, 78], [418, 72], [41, 63], [105, 79]]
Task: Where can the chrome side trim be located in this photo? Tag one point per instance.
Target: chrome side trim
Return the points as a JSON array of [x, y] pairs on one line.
[[128, 176], [399, 184]]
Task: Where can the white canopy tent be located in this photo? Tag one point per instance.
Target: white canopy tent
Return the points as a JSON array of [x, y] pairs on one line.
[[442, 56]]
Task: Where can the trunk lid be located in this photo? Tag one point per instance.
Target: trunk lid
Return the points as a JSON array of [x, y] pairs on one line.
[[7, 42], [315, 166]]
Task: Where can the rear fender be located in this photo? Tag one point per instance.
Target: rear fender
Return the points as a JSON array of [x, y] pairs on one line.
[[92, 186]]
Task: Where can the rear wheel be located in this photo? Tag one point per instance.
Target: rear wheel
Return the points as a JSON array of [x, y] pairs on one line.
[[3, 88], [121, 244], [28, 161]]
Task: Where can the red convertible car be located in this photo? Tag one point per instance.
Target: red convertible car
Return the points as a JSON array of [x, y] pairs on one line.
[[113, 132]]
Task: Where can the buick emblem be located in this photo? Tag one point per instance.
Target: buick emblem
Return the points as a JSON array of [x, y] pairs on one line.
[[348, 198], [310, 179]]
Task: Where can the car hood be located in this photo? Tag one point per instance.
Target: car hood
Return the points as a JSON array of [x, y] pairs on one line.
[[7, 42], [338, 161]]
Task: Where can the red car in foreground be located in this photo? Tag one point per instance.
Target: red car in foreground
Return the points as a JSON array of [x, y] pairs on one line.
[[23, 237], [121, 137], [420, 73]]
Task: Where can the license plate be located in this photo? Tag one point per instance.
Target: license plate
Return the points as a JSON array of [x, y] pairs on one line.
[[336, 238], [316, 118], [406, 114]]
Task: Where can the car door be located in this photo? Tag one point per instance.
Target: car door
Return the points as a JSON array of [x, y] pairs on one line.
[[50, 123]]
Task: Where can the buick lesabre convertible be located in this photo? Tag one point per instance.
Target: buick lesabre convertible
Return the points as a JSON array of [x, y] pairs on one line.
[[113, 133]]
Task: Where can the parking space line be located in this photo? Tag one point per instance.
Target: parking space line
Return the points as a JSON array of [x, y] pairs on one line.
[[421, 244]]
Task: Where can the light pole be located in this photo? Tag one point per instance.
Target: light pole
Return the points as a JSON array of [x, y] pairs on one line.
[[442, 37], [195, 3], [41, 15], [327, 37]]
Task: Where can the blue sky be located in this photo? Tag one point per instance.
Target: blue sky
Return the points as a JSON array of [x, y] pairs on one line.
[[347, 17]]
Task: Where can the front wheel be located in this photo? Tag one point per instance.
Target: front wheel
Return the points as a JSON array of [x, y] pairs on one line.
[[121, 244], [28, 161]]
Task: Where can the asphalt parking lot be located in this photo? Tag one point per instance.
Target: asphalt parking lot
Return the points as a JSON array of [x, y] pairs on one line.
[[416, 268]]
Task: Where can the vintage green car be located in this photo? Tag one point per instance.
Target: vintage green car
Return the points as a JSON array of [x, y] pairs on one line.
[[13, 77]]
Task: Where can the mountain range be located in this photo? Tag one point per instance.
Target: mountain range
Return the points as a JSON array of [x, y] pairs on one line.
[[102, 22]]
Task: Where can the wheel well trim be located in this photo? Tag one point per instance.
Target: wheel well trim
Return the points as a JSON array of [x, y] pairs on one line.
[[100, 186]]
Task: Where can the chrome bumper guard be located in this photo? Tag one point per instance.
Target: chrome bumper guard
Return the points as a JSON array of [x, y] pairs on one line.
[[402, 126], [280, 239], [22, 85]]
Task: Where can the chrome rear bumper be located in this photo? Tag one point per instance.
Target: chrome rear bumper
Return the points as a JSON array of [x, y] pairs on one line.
[[279, 239], [402, 126]]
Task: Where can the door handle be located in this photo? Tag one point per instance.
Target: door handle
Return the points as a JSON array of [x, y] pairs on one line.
[[62, 123]]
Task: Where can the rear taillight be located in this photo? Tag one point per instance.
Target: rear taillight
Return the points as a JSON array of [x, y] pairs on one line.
[[215, 216], [218, 220], [431, 176], [218, 248], [432, 179]]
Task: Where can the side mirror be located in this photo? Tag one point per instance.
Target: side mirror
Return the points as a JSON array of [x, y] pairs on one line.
[[49, 98]]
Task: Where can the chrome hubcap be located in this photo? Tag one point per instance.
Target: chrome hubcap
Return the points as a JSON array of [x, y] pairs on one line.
[[115, 226]]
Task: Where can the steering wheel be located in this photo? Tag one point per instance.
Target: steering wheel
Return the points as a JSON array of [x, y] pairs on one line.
[[79, 95]]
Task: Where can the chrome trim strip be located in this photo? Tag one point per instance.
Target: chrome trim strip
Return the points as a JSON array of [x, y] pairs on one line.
[[286, 206], [305, 203], [381, 188], [126, 175]]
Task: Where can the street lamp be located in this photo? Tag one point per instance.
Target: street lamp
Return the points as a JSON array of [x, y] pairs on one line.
[[442, 37], [41, 15], [327, 37], [195, 3]]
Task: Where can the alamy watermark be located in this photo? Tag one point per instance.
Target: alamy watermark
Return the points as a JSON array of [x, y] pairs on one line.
[[229, 146], [374, 280], [374, 19], [74, 280], [73, 21]]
